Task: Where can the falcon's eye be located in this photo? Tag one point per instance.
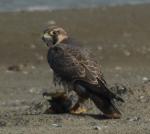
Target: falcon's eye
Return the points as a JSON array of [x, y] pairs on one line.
[[54, 32]]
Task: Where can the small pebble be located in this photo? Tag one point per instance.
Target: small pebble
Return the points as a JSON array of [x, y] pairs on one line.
[[100, 48], [51, 22], [56, 125], [32, 90], [25, 72], [33, 67], [35, 90], [141, 97], [97, 128], [127, 53], [32, 46], [118, 68], [145, 79], [144, 99], [39, 57], [134, 119]]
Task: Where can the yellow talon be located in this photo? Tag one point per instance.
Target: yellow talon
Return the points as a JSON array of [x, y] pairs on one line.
[[79, 110]]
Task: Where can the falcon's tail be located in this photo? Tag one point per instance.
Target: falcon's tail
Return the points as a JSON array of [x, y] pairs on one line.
[[103, 98], [106, 106]]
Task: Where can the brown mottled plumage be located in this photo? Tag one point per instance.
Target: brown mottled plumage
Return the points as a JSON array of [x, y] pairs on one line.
[[75, 67]]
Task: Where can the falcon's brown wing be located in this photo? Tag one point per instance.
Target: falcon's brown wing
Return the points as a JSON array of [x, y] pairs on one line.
[[92, 74], [72, 64], [92, 70]]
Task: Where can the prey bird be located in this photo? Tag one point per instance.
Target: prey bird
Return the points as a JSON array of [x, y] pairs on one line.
[[75, 67]]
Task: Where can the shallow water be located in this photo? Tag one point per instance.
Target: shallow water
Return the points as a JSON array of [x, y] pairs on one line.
[[31, 5]]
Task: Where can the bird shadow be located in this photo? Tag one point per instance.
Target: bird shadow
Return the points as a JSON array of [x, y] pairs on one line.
[[95, 116]]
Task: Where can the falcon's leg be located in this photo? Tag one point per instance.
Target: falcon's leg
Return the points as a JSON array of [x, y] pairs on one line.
[[78, 108], [82, 94]]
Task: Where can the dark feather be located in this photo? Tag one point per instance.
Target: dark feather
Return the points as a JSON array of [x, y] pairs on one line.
[[76, 67]]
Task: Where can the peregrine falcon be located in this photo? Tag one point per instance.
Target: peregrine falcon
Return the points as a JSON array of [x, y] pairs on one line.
[[75, 67]]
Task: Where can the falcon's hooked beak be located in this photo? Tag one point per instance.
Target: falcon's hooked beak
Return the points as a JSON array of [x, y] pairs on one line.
[[47, 39]]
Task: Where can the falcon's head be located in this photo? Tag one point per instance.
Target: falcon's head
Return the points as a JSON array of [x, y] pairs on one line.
[[54, 35]]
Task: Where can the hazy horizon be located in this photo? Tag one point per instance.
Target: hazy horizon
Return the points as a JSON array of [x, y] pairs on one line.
[[31, 5]]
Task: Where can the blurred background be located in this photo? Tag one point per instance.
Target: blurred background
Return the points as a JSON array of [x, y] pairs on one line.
[[116, 31], [30, 5]]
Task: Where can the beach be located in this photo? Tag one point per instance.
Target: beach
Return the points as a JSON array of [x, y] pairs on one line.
[[118, 36]]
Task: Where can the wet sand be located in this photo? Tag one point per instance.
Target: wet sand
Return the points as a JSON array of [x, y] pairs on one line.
[[119, 38]]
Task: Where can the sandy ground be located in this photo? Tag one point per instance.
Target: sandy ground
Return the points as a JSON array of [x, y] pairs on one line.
[[119, 38]]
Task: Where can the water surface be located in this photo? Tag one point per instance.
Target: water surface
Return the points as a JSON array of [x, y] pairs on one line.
[[31, 5]]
